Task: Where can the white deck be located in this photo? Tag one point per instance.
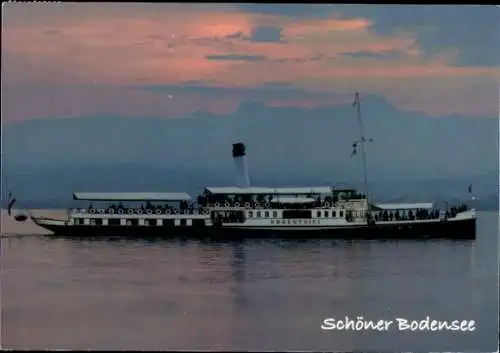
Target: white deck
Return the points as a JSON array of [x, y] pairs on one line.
[[232, 190]]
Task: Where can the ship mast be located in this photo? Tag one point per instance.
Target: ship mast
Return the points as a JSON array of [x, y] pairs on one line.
[[361, 143]]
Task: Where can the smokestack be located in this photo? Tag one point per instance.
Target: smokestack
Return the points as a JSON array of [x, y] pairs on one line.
[[240, 161]]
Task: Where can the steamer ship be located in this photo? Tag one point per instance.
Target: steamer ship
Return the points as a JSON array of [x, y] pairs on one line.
[[246, 211]]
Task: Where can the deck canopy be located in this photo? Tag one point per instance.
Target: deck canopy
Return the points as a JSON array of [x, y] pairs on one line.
[[131, 196], [405, 206], [294, 200], [231, 190]]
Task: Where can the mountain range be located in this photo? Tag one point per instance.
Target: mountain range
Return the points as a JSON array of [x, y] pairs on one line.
[[412, 154]]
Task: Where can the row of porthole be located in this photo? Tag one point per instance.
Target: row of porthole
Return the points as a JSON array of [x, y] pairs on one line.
[[139, 211], [205, 212], [250, 205]]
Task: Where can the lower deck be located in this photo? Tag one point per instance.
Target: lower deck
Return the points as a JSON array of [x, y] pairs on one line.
[[255, 218]]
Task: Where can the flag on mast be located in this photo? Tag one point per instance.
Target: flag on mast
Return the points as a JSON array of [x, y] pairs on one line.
[[356, 99], [354, 104], [11, 201], [354, 152]]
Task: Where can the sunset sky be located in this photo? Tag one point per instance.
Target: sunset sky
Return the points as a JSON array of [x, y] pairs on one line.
[[133, 59]]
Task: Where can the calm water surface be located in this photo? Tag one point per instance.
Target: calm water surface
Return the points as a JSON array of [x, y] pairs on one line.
[[253, 295]]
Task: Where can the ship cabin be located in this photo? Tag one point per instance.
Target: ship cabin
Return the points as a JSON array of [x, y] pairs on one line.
[[299, 196], [129, 209], [234, 204], [404, 212]]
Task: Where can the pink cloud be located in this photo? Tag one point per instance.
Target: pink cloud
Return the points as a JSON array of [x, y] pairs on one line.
[[105, 45]]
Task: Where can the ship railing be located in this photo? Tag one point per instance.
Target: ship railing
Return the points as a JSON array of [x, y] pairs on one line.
[[264, 205], [396, 215], [139, 211]]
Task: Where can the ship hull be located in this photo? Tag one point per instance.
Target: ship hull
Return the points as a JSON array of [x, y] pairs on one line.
[[462, 229]]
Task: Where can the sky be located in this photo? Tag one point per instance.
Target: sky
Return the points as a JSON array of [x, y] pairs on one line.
[[171, 60]]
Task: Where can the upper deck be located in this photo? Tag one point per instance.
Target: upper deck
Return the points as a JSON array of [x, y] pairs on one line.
[[231, 197], [231, 190], [283, 191], [220, 198], [131, 196], [115, 202]]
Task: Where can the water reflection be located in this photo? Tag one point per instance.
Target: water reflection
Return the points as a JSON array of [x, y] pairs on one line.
[[245, 295]]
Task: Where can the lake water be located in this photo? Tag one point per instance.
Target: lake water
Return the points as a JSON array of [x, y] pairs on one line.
[[252, 295]]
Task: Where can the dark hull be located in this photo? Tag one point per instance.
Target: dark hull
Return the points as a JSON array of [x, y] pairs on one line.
[[458, 230]]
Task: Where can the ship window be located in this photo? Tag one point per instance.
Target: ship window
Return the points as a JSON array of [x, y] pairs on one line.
[[250, 214], [183, 222], [78, 221], [198, 222], [291, 214], [258, 214], [326, 214], [334, 213], [168, 223], [275, 214], [98, 221], [266, 214], [341, 213], [132, 222], [318, 214], [114, 221]]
